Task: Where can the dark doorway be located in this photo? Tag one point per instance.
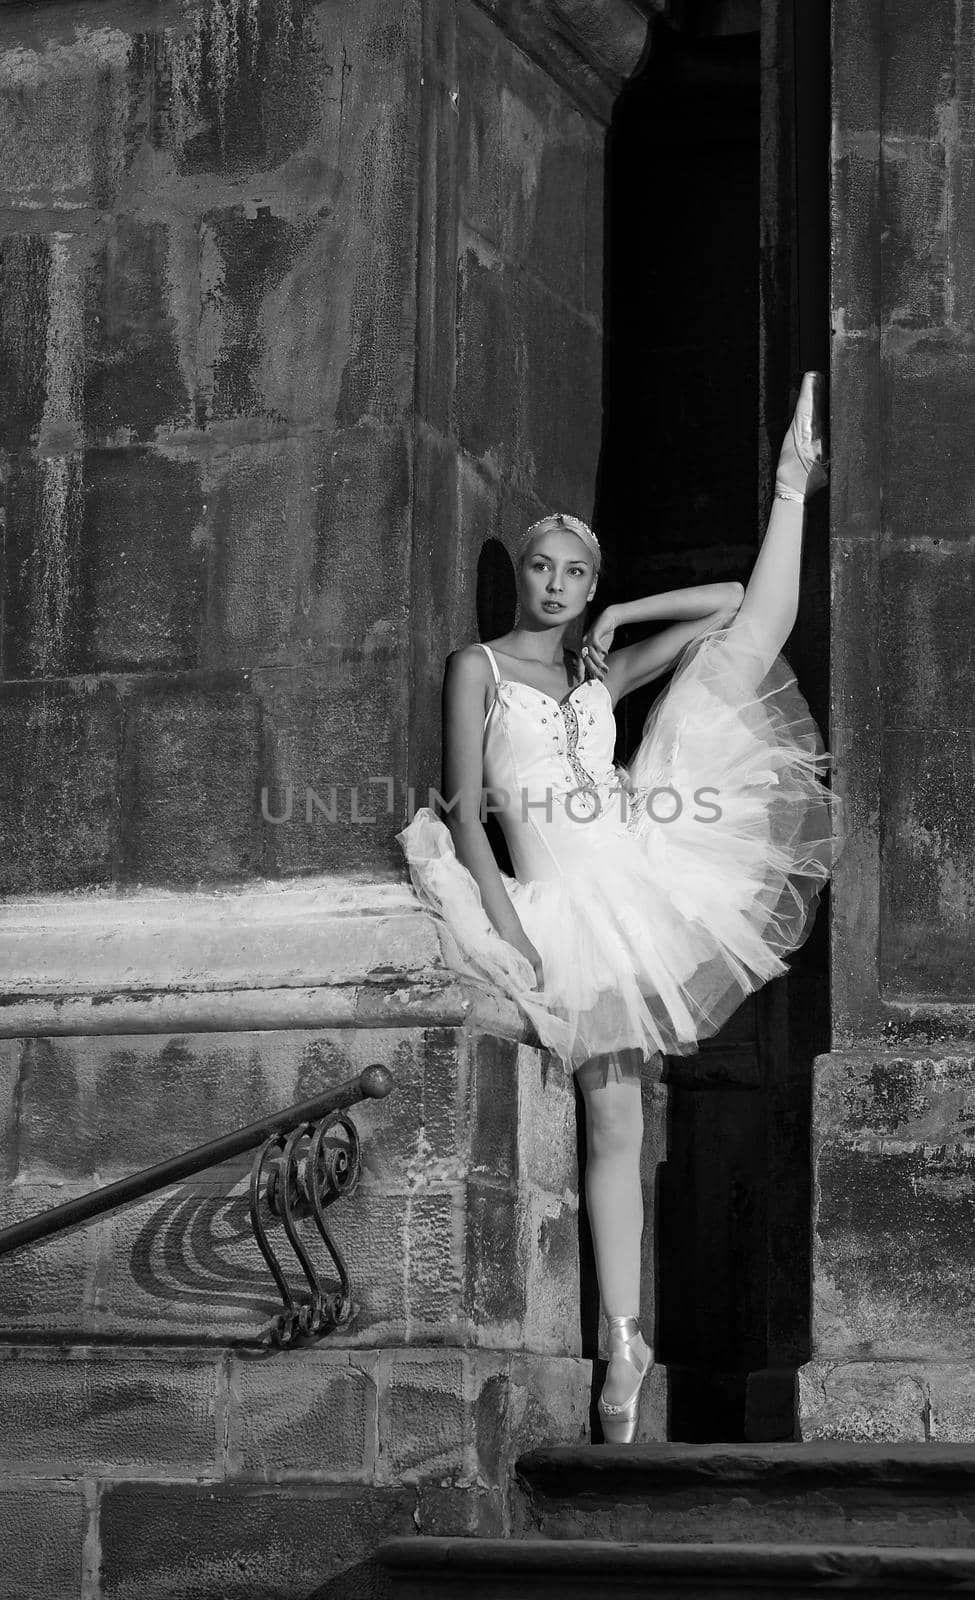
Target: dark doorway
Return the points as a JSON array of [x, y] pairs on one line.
[[708, 327]]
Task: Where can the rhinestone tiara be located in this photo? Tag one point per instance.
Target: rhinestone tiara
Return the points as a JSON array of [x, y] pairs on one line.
[[564, 520]]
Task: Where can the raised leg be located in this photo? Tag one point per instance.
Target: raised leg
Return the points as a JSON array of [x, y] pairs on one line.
[[771, 599]]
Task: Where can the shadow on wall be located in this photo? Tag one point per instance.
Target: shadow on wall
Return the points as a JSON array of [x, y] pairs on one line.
[[497, 592], [190, 1253]]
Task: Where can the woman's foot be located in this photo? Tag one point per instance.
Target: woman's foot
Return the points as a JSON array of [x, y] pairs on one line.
[[802, 460], [618, 1405]]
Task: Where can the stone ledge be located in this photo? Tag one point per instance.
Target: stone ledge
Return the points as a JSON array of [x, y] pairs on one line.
[[436, 1003], [569, 1567], [566, 1472], [308, 953]]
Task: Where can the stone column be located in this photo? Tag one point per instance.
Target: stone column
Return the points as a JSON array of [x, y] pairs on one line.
[[894, 1134]]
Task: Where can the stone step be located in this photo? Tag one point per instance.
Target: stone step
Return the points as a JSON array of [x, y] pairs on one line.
[[580, 1569], [850, 1494]]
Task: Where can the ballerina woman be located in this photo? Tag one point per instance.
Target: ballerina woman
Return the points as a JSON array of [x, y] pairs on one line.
[[648, 901]]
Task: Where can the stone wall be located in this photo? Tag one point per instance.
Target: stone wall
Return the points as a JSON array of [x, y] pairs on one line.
[[301, 324], [297, 318], [893, 1347], [153, 1441]]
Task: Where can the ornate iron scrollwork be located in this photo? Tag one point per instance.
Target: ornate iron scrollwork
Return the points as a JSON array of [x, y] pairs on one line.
[[298, 1175]]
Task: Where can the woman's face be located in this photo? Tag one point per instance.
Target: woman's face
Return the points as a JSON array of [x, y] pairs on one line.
[[557, 577]]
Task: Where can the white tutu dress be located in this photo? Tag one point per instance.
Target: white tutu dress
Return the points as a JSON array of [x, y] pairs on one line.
[[658, 895]]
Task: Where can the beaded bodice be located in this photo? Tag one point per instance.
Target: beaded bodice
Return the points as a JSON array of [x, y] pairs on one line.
[[549, 764]]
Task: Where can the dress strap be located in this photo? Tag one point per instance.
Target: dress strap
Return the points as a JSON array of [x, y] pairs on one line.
[[494, 665], [497, 683]]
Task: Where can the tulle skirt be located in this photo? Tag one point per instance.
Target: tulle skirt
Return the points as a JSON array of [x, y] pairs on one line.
[[650, 941]]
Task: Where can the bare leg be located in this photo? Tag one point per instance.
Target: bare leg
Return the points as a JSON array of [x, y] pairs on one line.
[[771, 598], [614, 1198]]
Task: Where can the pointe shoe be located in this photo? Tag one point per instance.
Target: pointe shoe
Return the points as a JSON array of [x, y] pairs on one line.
[[619, 1421], [802, 467]]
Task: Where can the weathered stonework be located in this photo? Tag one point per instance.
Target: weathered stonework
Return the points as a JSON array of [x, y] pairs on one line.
[[283, 317], [162, 1390], [288, 286], [893, 1103]]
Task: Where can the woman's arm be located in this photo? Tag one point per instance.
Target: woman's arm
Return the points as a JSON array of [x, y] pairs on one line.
[[463, 777], [691, 611]]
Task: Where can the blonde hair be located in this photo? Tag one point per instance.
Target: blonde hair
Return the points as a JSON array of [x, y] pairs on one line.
[[560, 521]]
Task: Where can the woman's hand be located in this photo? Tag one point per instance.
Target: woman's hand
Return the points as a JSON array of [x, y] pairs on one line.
[[597, 644], [524, 946]]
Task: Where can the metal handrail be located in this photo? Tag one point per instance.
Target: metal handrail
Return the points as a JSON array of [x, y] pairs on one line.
[[301, 1173]]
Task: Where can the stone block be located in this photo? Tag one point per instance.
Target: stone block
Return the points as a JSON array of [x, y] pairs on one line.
[[204, 1540], [855, 890], [547, 1400], [550, 1242], [242, 92], [563, 356], [363, 530], [333, 728], [858, 52], [75, 1413], [449, 1510], [378, 372], [262, 517], [434, 1226], [925, 596], [880, 1401], [306, 533], [951, 1391], [481, 131], [25, 272], [146, 558], [461, 1420], [489, 399], [58, 787], [855, 290], [423, 1416], [11, 1051], [187, 1263], [42, 566], [134, 379], [306, 1414], [64, 109], [927, 845], [191, 777], [264, 266], [451, 586], [929, 388], [546, 1122], [496, 1290], [857, 574], [42, 1532], [893, 1172], [108, 1105], [915, 263], [494, 1127], [961, 228], [44, 1287], [918, 65], [545, 160], [184, 1263], [855, 416]]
